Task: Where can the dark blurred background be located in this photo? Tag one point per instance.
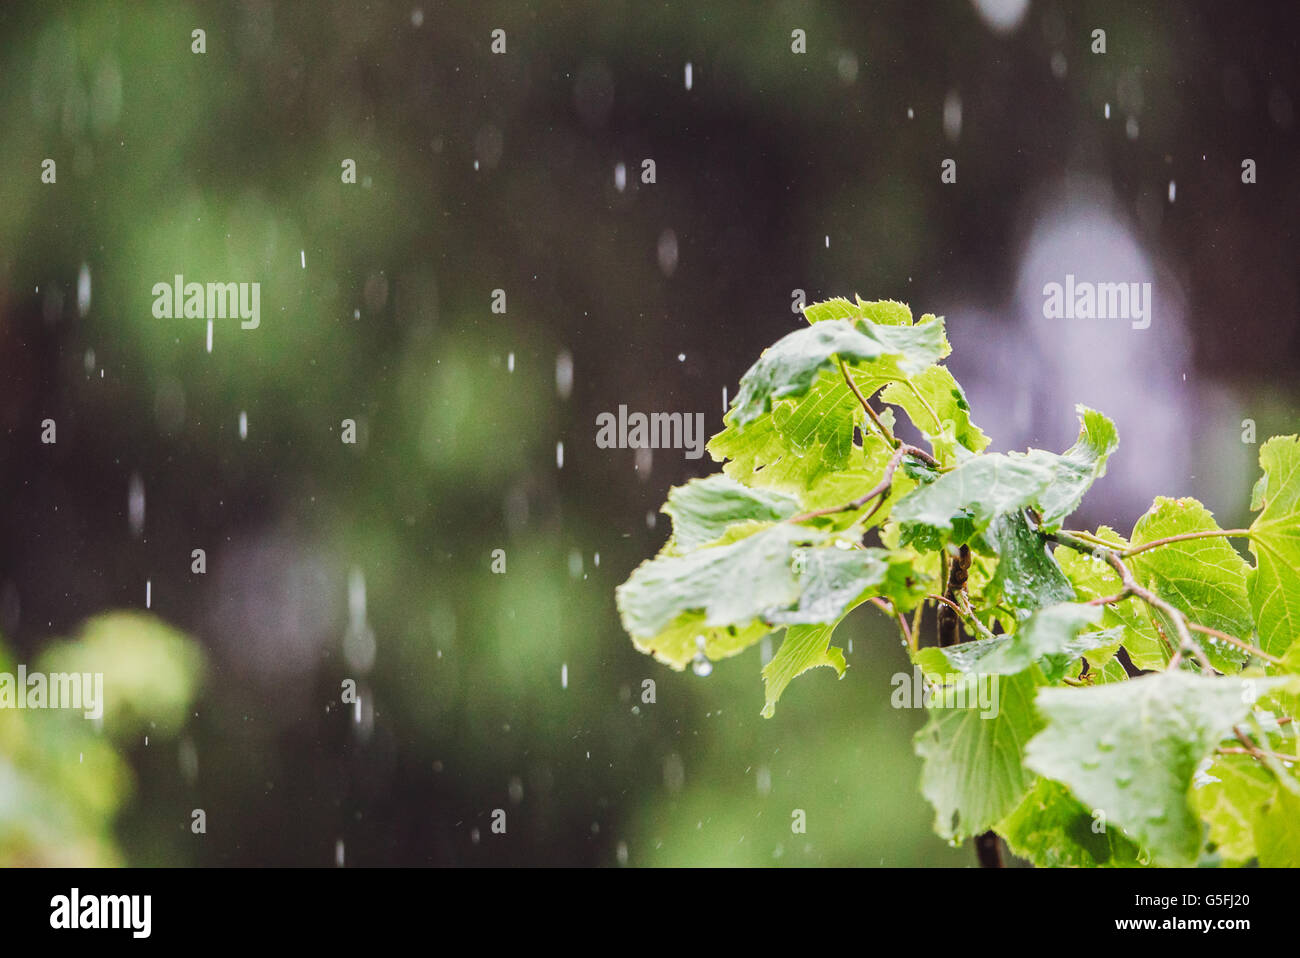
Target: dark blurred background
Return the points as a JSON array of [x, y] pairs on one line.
[[477, 171]]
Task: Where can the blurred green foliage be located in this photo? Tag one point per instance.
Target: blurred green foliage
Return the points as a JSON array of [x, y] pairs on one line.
[[65, 777]]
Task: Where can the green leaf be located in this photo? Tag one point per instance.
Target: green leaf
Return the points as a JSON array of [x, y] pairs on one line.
[[1094, 578], [1277, 829], [1053, 830], [1205, 578], [702, 509], [731, 584], [980, 489], [937, 407], [1274, 583], [1228, 795], [883, 312], [797, 443], [1027, 575], [1052, 637], [793, 363], [1131, 749], [689, 639], [151, 671], [833, 580], [983, 487], [973, 773], [1078, 467], [804, 647], [719, 599]]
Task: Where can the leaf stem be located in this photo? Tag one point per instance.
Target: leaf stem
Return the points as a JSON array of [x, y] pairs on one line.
[[890, 609], [885, 432]]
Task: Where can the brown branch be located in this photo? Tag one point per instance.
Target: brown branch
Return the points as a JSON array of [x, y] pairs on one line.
[[949, 623]]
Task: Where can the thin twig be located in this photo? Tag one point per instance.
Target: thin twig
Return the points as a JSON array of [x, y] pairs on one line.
[[1233, 640], [880, 489], [1134, 550], [1230, 639], [1132, 587], [1256, 752], [889, 609]]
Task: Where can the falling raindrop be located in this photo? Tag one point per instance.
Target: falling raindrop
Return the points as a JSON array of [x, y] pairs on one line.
[[847, 67], [510, 363], [828, 242], [681, 357], [559, 455], [620, 177], [1172, 190], [302, 254], [667, 252], [83, 290], [689, 76], [148, 593], [564, 374], [188, 757], [243, 425], [952, 116], [724, 399], [1107, 111], [564, 675], [356, 595], [911, 114], [595, 560], [135, 504], [209, 335], [338, 853], [1002, 16]]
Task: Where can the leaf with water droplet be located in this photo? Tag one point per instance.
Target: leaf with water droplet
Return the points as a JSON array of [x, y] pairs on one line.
[[1052, 829], [1274, 583], [1205, 578], [973, 773], [1052, 637], [1163, 726]]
